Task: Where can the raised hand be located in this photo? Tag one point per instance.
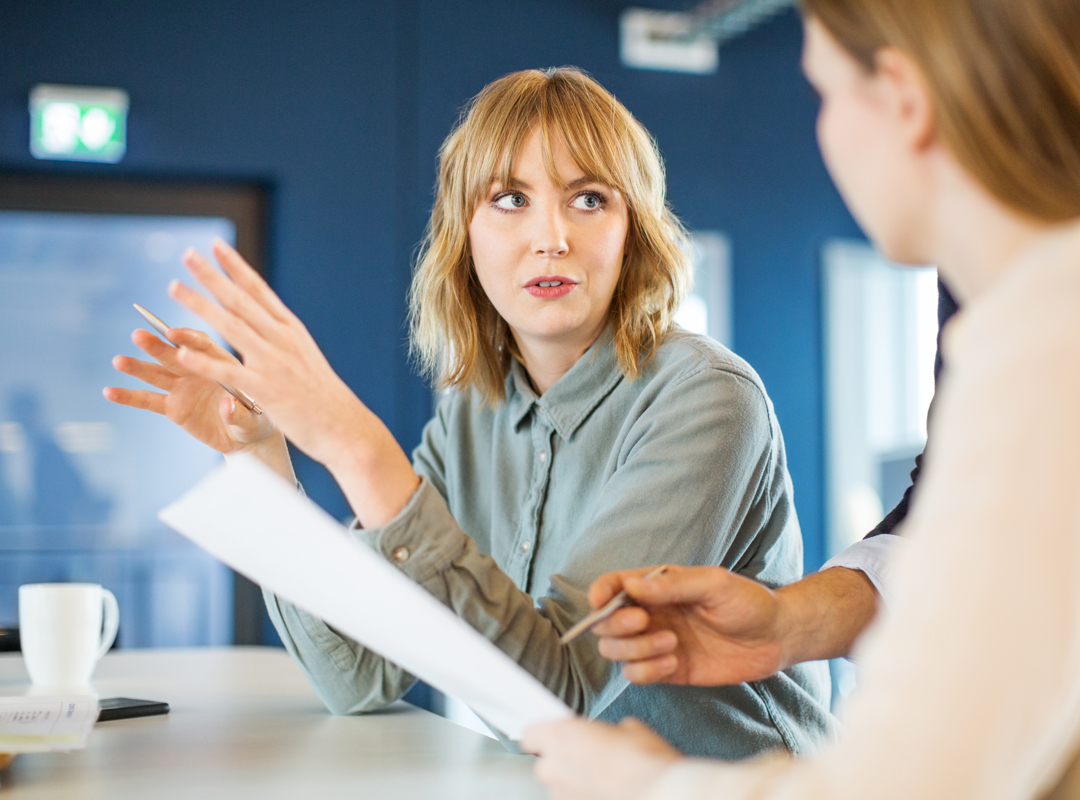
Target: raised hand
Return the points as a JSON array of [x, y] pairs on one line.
[[198, 405], [287, 374], [703, 626]]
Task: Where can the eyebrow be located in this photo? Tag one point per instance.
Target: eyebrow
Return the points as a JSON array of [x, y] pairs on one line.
[[515, 183]]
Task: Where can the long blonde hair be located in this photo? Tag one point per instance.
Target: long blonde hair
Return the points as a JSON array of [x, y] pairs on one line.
[[457, 335], [1004, 77]]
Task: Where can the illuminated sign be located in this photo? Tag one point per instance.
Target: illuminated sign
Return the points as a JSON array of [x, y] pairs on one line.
[[78, 123]]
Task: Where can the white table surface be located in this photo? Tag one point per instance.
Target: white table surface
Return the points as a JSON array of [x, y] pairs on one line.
[[245, 723]]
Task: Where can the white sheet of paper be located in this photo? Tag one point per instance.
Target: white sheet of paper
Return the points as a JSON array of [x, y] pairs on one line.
[[39, 724], [251, 519]]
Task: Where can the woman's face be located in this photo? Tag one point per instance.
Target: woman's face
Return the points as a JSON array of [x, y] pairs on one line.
[[868, 131], [547, 255]]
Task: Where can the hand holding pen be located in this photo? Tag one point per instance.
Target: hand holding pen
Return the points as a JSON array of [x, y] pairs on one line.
[[200, 406], [157, 324], [285, 369], [594, 618], [702, 626]]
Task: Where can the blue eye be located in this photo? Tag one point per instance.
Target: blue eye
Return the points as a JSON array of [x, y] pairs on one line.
[[511, 201], [588, 201]]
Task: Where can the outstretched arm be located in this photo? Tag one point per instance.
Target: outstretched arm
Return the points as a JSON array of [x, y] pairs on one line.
[[197, 404], [284, 368]]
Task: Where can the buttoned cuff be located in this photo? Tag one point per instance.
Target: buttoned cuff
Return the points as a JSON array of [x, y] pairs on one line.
[[422, 540], [871, 557]]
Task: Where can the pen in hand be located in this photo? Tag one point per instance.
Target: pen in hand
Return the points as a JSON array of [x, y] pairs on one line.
[[606, 610], [156, 323]]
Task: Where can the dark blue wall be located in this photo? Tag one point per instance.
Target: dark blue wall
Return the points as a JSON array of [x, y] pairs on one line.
[[341, 106]]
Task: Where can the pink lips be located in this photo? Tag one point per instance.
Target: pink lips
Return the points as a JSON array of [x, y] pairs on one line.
[[547, 287]]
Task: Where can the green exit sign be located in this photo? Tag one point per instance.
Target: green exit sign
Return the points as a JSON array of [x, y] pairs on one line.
[[78, 123]]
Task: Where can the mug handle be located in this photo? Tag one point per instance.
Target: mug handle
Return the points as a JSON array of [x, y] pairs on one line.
[[111, 624]]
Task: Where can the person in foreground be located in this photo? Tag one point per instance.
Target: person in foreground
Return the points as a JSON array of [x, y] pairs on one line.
[[581, 431], [952, 129]]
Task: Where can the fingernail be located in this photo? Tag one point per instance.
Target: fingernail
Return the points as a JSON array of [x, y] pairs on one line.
[[232, 405], [174, 285], [189, 253]]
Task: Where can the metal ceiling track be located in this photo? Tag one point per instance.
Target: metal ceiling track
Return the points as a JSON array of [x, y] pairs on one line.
[[689, 41], [723, 20]]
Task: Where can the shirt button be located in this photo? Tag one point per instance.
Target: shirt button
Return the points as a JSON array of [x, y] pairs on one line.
[[400, 554], [525, 547], [543, 456]]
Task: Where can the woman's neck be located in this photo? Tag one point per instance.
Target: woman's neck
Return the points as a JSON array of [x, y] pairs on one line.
[[548, 360]]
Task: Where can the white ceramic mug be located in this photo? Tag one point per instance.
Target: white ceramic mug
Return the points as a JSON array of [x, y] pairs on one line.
[[64, 629]]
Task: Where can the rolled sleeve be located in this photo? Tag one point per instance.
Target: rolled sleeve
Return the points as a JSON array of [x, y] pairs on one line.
[[871, 557]]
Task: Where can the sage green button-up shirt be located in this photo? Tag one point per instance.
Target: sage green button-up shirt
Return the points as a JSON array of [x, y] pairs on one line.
[[522, 506]]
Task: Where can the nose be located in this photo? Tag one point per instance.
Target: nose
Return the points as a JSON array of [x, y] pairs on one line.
[[549, 234]]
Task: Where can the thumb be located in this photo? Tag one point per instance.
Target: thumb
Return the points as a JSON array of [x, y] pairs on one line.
[[236, 416]]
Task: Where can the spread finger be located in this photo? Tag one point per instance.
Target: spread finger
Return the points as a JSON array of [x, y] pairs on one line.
[[154, 374], [234, 330], [232, 297], [253, 283], [209, 367], [136, 398]]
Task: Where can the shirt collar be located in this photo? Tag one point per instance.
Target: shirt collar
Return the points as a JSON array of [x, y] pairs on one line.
[[574, 396]]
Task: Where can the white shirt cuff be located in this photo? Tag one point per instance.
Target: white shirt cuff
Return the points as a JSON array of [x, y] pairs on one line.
[[871, 557]]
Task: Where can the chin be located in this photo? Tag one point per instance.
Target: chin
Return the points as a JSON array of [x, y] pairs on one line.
[[551, 325], [902, 251], [897, 243], [553, 331], [896, 230]]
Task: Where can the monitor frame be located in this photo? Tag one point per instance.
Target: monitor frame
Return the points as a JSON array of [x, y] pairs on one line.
[[245, 203]]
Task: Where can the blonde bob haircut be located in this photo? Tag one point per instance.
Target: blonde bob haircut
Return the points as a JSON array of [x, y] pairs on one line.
[[457, 335], [1004, 79]]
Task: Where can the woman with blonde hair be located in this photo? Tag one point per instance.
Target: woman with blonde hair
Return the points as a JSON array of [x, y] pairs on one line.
[[580, 431], [952, 128]]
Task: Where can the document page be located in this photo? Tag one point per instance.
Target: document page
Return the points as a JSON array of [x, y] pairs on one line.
[[258, 524], [40, 724]]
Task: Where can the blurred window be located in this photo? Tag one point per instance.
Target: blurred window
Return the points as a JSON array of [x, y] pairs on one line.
[[82, 479], [881, 338], [707, 309]]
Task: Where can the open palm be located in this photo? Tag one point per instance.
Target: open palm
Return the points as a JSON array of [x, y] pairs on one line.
[[195, 403]]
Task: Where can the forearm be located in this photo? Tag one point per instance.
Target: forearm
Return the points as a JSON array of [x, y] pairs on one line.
[[822, 615], [367, 463], [347, 676], [428, 545]]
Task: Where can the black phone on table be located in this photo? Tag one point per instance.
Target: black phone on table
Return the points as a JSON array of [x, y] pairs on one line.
[[127, 707]]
